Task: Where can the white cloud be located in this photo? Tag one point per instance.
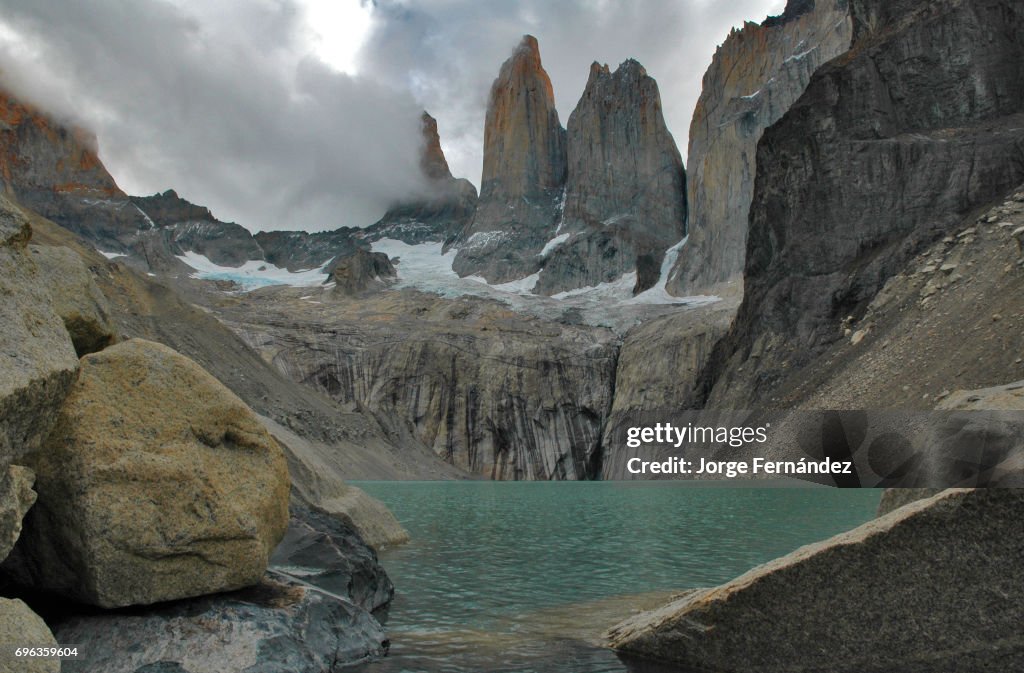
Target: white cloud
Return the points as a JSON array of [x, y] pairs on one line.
[[288, 114]]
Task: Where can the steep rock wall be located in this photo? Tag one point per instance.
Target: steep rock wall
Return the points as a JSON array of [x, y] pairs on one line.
[[53, 168], [625, 196], [890, 147], [755, 77], [496, 393], [524, 173]]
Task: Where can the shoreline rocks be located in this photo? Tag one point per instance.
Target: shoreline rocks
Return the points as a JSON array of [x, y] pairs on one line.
[[935, 586], [274, 626]]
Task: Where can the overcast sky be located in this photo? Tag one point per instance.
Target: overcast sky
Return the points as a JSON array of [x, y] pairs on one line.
[[303, 114]]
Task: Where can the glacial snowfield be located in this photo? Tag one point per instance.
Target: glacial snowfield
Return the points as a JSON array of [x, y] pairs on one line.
[[426, 268]]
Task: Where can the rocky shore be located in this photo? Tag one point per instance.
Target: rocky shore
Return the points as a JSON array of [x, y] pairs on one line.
[[147, 512]]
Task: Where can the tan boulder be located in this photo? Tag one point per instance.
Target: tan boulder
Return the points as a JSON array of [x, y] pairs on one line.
[[999, 398], [76, 298], [156, 483], [37, 359], [20, 627]]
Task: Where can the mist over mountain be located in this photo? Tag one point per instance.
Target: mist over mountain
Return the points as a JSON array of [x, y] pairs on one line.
[[229, 107], [229, 103]]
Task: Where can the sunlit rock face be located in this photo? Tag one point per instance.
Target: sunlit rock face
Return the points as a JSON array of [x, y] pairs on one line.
[[755, 77], [625, 197], [524, 173]]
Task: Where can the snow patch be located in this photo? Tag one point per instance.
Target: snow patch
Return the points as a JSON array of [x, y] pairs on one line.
[[555, 242], [426, 268], [800, 56], [111, 255], [485, 239], [253, 274], [151, 223], [523, 286]]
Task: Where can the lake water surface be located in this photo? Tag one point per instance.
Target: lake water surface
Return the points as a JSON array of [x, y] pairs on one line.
[[524, 576]]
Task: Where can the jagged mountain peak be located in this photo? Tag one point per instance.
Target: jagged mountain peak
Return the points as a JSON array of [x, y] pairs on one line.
[[432, 160]]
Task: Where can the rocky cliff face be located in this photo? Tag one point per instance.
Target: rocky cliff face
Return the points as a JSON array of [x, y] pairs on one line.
[[889, 149], [524, 173], [498, 394], [625, 200], [183, 227], [657, 372], [754, 78]]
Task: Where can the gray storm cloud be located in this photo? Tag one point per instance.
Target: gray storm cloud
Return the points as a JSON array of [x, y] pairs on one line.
[[223, 104], [223, 101], [447, 52]]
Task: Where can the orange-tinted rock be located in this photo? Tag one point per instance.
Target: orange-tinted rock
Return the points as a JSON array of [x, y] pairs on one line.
[[524, 173], [54, 169], [432, 159]]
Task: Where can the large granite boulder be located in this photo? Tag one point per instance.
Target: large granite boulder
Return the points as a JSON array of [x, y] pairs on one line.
[[76, 298], [935, 586], [754, 78], [523, 176], [156, 483], [625, 194], [38, 362], [272, 627], [20, 627]]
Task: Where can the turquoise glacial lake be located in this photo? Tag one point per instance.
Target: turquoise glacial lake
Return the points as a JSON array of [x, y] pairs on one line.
[[525, 576]]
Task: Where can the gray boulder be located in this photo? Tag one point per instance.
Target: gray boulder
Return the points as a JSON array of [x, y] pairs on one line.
[[272, 627], [321, 550], [360, 271], [935, 586]]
